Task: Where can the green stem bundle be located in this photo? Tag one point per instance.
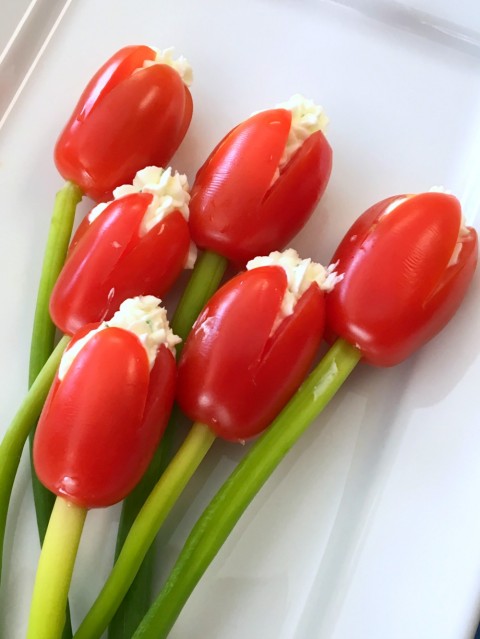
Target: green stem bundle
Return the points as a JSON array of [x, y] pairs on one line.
[[139, 597], [226, 508], [145, 528], [204, 281]]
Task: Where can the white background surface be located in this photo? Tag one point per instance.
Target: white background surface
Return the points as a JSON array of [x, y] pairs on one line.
[[371, 526]]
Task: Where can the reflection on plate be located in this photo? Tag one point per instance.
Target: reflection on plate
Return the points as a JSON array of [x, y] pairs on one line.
[[370, 528]]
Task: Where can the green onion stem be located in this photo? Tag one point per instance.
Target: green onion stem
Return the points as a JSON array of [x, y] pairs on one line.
[[54, 572], [204, 281], [14, 440], [43, 333], [145, 528], [61, 224], [139, 596], [226, 508]]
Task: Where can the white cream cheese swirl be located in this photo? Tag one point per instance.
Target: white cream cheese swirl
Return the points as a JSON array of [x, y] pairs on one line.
[[170, 191], [181, 64], [300, 275], [307, 118], [144, 317]]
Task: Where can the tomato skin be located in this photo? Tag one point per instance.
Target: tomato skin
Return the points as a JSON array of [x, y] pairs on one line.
[[235, 210], [234, 375], [109, 262], [128, 117], [398, 289], [101, 424]]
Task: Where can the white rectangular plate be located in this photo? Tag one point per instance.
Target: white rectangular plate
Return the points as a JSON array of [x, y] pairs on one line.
[[371, 526]]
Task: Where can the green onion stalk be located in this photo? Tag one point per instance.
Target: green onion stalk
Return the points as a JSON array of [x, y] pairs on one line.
[[44, 359], [17, 434], [43, 333], [52, 582], [204, 281], [227, 507]]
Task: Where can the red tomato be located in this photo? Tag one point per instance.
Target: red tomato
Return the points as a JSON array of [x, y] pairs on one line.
[[101, 424], [127, 118], [400, 283], [235, 209], [109, 262], [234, 374]]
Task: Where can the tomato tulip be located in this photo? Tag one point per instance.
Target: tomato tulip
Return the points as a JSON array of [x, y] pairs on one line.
[[134, 112], [105, 415], [245, 355], [406, 264], [103, 418], [261, 183], [136, 245]]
